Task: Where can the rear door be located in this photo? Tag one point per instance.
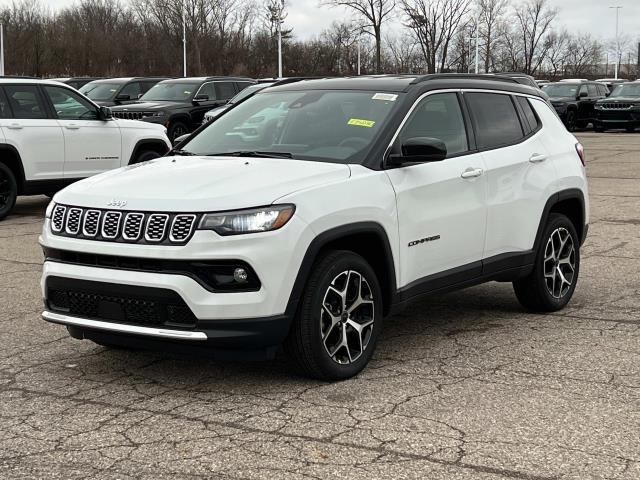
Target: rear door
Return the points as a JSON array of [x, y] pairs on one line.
[[441, 205], [91, 145], [28, 127], [519, 173]]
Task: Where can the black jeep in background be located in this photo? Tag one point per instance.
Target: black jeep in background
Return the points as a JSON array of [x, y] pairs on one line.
[[574, 100], [119, 91], [180, 104], [620, 110]]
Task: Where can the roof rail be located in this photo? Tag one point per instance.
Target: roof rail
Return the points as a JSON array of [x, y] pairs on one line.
[[464, 76]]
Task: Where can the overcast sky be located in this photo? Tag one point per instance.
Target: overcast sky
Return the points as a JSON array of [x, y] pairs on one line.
[[309, 19]]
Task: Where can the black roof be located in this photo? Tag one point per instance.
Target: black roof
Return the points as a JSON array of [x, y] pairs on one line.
[[406, 83], [128, 79], [209, 79]]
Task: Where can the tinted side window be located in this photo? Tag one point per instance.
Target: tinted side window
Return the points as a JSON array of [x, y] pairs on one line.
[[69, 105], [495, 119], [438, 116], [242, 85], [529, 114], [593, 91], [207, 89], [225, 90], [132, 89], [5, 110], [25, 101], [583, 88]]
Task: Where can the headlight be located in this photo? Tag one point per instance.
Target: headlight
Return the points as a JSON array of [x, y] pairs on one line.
[[49, 210], [597, 106], [255, 220]]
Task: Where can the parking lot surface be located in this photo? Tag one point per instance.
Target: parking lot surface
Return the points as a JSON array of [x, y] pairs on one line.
[[462, 386]]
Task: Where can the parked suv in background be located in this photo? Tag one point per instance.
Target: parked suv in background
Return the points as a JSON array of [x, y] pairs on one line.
[[119, 91], [51, 136], [575, 100], [247, 92], [180, 104], [365, 193], [76, 82], [620, 110]]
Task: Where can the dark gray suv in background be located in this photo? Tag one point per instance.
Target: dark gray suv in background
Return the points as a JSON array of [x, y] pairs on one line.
[[118, 91]]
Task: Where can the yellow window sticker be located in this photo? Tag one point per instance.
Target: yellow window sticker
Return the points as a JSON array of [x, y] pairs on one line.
[[358, 122]]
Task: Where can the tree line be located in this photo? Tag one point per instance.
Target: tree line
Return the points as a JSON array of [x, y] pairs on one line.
[[238, 37]]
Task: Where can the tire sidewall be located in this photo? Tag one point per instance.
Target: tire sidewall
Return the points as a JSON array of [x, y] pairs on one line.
[[8, 206], [146, 156], [556, 221], [312, 306], [172, 128]]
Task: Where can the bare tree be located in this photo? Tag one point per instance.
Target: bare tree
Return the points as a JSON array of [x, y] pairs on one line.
[[372, 14], [533, 20], [583, 54], [490, 14], [557, 51], [434, 24]]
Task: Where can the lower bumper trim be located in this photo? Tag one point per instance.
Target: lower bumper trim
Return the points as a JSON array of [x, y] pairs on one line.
[[122, 328]]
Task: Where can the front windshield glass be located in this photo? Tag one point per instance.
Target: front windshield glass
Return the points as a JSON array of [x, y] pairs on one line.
[[100, 91], [561, 89], [170, 92], [626, 90], [324, 125], [248, 91]]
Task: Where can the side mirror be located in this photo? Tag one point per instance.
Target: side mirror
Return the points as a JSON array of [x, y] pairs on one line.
[[200, 98], [177, 141], [104, 113], [583, 94], [122, 97], [140, 95], [419, 150]]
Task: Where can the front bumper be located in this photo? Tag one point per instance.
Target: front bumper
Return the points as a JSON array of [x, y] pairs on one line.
[[618, 117]]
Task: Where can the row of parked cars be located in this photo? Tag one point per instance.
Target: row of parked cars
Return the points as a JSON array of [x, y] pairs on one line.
[[605, 106]]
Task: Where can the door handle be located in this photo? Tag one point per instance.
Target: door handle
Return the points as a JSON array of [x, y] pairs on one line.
[[471, 173], [537, 158], [14, 126], [72, 126]]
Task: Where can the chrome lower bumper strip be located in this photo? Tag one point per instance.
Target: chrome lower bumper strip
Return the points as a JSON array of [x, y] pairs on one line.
[[122, 328]]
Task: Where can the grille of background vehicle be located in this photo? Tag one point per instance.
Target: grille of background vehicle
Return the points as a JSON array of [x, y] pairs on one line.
[[131, 115], [616, 106], [116, 226]]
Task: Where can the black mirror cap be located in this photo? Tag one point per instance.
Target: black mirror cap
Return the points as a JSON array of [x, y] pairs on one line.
[[583, 94], [122, 97], [105, 113], [420, 150], [180, 139], [200, 98]]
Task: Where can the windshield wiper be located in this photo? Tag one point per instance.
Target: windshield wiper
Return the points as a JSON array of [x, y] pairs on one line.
[[252, 153], [181, 152]]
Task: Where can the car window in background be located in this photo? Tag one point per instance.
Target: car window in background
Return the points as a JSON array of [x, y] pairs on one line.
[[626, 90], [100, 91], [438, 116], [25, 101], [322, 125], [225, 90], [248, 91], [132, 89], [561, 90], [69, 106], [593, 91], [5, 110], [208, 90], [495, 118], [171, 92]]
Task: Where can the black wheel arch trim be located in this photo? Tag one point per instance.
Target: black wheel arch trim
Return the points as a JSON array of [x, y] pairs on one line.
[[331, 235], [146, 142], [568, 194]]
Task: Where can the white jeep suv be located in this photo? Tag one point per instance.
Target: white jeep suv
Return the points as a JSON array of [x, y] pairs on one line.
[[51, 136], [363, 194]]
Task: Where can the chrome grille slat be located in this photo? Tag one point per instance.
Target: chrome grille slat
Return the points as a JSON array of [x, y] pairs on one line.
[[181, 227], [133, 223], [72, 225], [91, 223], [111, 225], [57, 218], [616, 106], [156, 227]]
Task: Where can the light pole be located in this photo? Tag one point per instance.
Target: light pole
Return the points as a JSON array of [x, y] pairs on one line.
[[1, 50], [184, 38], [617, 41], [277, 17]]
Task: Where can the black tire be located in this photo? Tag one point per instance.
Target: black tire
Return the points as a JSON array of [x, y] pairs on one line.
[[582, 124], [8, 190], [177, 129], [630, 128], [598, 127], [145, 156], [570, 121], [534, 291], [305, 345]]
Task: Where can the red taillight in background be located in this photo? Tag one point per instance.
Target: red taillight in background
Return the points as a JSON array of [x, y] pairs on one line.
[[580, 150]]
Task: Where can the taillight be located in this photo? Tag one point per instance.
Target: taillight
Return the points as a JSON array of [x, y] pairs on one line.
[[580, 150]]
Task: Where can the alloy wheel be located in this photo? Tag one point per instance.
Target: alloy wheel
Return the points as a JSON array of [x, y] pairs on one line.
[[346, 317], [559, 262], [178, 131]]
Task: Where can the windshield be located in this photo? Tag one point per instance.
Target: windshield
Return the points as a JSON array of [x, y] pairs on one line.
[[561, 89], [248, 91], [171, 92], [626, 90], [101, 91], [323, 125]]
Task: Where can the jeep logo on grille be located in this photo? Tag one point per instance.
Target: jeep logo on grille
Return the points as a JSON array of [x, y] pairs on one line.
[[117, 203]]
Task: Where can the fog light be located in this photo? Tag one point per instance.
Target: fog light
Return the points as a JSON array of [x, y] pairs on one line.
[[240, 275]]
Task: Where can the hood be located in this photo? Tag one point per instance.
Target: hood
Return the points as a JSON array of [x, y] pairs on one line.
[[200, 184], [140, 125], [561, 99], [104, 103], [147, 106], [620, 100]]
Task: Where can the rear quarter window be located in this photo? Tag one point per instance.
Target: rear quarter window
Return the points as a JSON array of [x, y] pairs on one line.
[[529, 115], [495, 119]]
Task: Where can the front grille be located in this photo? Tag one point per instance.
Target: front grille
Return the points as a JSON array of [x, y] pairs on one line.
[[118, 303], [129, 115], [129, 227], [616, 106]]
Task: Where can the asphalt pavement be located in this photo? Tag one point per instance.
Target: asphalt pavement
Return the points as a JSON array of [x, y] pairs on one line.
[[462, 386]]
